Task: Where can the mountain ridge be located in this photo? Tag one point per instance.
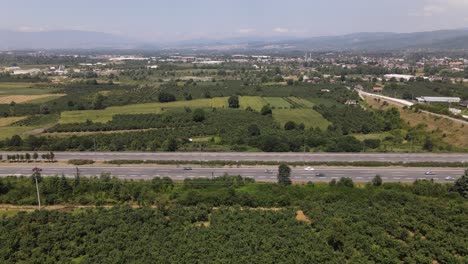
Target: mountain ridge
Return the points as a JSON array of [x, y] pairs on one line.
[[456, 39]]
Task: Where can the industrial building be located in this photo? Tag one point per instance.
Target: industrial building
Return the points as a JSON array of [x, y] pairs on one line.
[[433, 99]]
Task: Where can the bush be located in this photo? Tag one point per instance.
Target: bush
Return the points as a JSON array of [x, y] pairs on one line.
[[372, 143], [377, 180], [198, 115], [80, 162], [345, 182], [164, 97], [233, 102], [290, 125], [266, 110]]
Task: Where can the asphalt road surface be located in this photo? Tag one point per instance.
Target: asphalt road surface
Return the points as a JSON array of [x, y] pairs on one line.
[[282, 157], [262, 174]]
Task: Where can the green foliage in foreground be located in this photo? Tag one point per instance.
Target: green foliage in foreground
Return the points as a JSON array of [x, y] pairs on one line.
[[387, 224]]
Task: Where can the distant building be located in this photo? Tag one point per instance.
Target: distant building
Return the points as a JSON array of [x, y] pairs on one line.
[[208, 62], [30, 72], [464, 104], [351, 102], [433, 99], [398, 77], [455, 111], [11, 69], [377, 89]]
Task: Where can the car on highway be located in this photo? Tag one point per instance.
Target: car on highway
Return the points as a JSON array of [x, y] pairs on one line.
[[449, 178], [187, 168], [320, 175], [268, 171], [429, 173], [309, 169]]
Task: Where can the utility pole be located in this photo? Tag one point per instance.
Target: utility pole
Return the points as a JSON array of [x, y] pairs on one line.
[[303, 155], [36, 173]]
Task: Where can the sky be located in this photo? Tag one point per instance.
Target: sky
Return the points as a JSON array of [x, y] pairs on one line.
[[174, 20]]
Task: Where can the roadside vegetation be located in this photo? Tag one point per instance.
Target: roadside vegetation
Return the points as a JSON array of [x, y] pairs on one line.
[[193, 220]]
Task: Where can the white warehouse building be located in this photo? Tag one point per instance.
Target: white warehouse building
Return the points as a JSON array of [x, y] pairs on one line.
[[433, 99], [399, 76]]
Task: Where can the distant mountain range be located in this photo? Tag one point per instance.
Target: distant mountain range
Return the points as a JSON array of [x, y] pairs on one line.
[[72, 39], [431, 40]]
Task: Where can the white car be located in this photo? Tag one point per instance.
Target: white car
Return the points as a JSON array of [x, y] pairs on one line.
[[429, 173], [449, 178], [309, 169]]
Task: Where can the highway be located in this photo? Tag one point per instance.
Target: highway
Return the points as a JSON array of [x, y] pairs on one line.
[[250, 156], [299, 174]]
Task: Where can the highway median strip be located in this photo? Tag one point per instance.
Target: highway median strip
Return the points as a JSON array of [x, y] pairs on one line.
[[311, 163]]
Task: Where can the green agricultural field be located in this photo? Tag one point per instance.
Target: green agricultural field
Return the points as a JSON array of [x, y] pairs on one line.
[[300, 102], [9, 131], [218, 102], [277, 102], [6, 121], [149, 108], [45, 99], [7, 88], [309, 117], [254, 102], [319, 101], [363, 137]]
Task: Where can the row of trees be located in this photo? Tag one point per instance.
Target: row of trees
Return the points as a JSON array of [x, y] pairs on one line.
[[216, 191], [26, 157]]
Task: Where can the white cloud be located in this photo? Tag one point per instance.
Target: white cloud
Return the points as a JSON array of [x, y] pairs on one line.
[[30, 29], [247, 30], [47, 28], [437, 7], [280, 30], [431, 10]]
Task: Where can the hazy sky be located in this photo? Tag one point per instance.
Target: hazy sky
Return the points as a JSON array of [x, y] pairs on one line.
[[167, 20]]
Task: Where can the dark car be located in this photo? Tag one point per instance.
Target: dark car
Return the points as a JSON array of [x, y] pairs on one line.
[[187, 168], [320, 174]]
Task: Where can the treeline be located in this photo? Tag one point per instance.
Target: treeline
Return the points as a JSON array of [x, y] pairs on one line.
[[27, 157], [215, 191]]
